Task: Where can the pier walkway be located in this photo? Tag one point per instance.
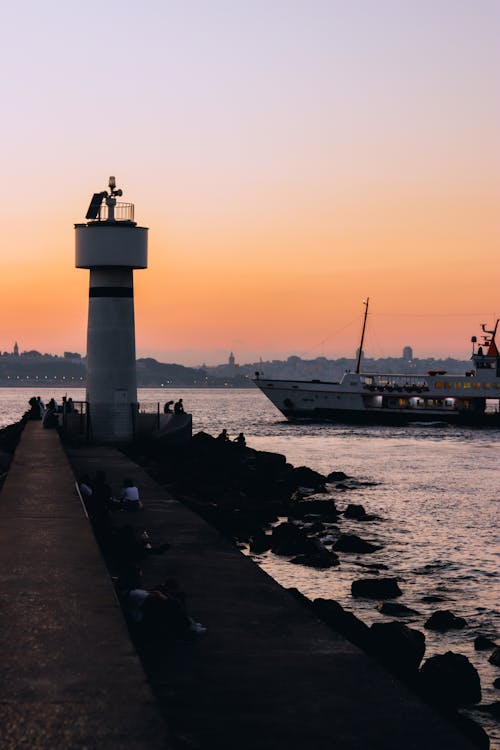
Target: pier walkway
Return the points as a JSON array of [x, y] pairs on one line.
[[70, 678], [267, 675]]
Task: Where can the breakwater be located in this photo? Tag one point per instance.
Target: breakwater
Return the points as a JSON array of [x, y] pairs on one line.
[[247, 677]]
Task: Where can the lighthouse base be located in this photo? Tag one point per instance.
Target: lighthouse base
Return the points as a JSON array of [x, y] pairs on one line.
[[112, 423]]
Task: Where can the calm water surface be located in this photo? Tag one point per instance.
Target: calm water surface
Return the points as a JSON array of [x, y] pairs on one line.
[[437, 496]]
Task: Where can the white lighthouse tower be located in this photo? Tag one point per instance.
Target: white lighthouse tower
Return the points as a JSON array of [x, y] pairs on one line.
[[111, 245]]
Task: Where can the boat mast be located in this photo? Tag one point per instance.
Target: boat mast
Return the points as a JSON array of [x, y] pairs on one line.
[[360, 351]]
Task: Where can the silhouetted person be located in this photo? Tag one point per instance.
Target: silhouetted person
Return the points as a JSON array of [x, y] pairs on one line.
[[223, 437], [129, 496], [167, 409], [179, 407], [240, 440], [34, 412]]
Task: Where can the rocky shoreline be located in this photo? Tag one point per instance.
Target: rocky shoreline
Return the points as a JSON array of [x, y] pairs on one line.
[[262, 503]]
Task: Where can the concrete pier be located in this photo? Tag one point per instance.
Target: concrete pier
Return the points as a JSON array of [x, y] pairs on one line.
[[267, 675], [70, 677]]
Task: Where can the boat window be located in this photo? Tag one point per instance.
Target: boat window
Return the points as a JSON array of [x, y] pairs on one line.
[[458, 384], [447, 384], [486, 385], [438, 384], [467, 384], [476, 385]]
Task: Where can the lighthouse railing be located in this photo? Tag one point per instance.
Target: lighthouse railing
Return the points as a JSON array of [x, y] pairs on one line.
[[121, 212]]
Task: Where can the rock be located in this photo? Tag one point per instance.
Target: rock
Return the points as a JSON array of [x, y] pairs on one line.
[[344, 622], [493, 709], [305, 477], [450, 680], [353, 543], [376, 588], [398, 647], [356, 511], [483, 643], [433, 599], [288, 539], [495, 657], [393, 609], [325, 509], [443, 620], [259, 543], [336, 476], [496, 683], [317, 556]]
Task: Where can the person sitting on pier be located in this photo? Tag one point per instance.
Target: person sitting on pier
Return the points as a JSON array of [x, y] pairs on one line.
[[167, 409], [223, 437], [34, 412], [129, 496], [50, 419], [102, 490], [240, 440], [158, 613], [179, 407]]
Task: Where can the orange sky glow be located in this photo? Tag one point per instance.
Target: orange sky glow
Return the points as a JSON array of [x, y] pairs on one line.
[[287, 164]]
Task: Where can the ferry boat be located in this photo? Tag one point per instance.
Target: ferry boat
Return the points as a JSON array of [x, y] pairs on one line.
[[375, 398]]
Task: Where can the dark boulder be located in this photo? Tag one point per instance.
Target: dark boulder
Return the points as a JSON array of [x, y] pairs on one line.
[[317, 556], [336, 476], [393, 609], [303, 476], [398, 647], [433, 599], [483, 643], [344, 622], [376, 588], [260, 542], [496, 683], [495, 657], [356, 511], [450, 680], [326, 509], [443, 620], [353, 543], [493, 709], [289, 539]]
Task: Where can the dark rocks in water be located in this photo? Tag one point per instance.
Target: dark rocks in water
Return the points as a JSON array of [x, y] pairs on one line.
[[325, 509], [353, 543], [493, 709], [483, 643], [260, 542], [376, 588], [450, 680], [398, 647], [496, 683], [356, 511], [336, 476], [303, 476], [289, 539], [317, 556], [495, 657], [433, 599], [443, 620], [344, 622], [393, 609]]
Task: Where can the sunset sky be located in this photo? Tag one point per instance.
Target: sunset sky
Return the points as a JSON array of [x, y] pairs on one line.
[[289, 157]]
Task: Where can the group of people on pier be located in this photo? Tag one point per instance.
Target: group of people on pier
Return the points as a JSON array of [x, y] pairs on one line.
[[49, 414], [160, 611], [175, 408]]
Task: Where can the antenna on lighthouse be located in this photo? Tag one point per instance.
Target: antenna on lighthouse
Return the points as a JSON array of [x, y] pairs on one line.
[[94, 210]]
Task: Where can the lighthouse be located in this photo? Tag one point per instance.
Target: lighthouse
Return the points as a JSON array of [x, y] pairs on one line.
[[111, 246]]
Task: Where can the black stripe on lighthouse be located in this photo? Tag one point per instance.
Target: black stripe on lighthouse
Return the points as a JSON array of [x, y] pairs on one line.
[[111, 291]]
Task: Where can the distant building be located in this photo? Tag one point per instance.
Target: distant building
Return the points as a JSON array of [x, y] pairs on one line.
[[231, 361], [16, 350], [408, 353]]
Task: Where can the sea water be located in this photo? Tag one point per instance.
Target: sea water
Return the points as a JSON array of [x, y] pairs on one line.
[[435, 491]]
